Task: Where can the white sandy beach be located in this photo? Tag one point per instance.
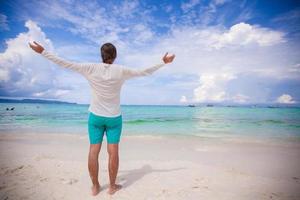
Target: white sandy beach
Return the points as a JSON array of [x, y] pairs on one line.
[[54, 166]]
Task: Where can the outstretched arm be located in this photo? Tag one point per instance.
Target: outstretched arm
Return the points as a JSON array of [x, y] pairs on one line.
[[79, 67], [130, 73]]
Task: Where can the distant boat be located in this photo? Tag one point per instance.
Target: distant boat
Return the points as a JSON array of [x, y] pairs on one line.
[[191, 105], [209, 105]]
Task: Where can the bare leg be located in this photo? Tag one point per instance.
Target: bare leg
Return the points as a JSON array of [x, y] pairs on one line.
[[94, 167], [113, 166]]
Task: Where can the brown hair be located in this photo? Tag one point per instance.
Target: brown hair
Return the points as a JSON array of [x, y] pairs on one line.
[[108, 53]]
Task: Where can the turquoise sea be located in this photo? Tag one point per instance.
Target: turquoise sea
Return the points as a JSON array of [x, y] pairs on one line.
[[156, 120]]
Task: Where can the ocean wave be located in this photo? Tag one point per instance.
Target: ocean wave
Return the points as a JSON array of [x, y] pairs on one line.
[[272, 121], [181, 120], [151, 120]]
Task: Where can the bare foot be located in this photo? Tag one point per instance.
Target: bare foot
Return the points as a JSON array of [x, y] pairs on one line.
[[95, 189], [113, 189]]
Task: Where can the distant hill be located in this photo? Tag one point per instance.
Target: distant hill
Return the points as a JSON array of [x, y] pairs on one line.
[[33, 101]]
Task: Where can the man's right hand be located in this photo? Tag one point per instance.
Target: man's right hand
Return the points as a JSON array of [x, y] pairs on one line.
[[168, 59], [36, 47]]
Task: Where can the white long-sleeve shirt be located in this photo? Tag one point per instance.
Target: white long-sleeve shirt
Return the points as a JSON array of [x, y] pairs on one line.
[[105, 80]]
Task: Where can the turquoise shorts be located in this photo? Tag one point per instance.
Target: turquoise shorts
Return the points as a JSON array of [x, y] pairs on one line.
[[112, 126]]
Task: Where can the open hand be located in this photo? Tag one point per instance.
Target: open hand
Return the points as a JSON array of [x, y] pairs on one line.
[[168, 59], [36, 47]]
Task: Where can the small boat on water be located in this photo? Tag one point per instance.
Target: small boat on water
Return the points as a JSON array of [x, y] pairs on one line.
[[12, 108]]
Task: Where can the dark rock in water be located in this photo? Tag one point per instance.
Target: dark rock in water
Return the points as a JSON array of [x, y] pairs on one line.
[[12, 108], [191, 105], [209, 105], [7, 108]]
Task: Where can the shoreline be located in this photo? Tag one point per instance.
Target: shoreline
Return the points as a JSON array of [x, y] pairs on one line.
[[54, 166], [225, 137]]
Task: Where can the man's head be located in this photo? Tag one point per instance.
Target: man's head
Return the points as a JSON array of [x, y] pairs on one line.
[[108, 53]]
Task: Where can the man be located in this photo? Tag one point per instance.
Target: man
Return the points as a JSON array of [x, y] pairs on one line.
[[105, 80]]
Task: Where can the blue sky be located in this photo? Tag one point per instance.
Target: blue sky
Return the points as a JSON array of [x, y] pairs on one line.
[[227, 51]]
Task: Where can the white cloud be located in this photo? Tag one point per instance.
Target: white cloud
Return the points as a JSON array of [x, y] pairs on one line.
[[295, 68], [213, 51], [220, 2], [19, 60], [4, 75], [120, 24], [183, 99], [240, 98], [196, 54], [57, 93], [3, 23], [24, 73], [212, 87], [142, 33], [291, 15], [244, 15], [127, 8], [244, 34], [186, 6], [285, 99]]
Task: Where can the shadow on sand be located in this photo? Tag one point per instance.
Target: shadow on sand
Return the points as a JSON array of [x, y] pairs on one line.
[[129, 177]]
